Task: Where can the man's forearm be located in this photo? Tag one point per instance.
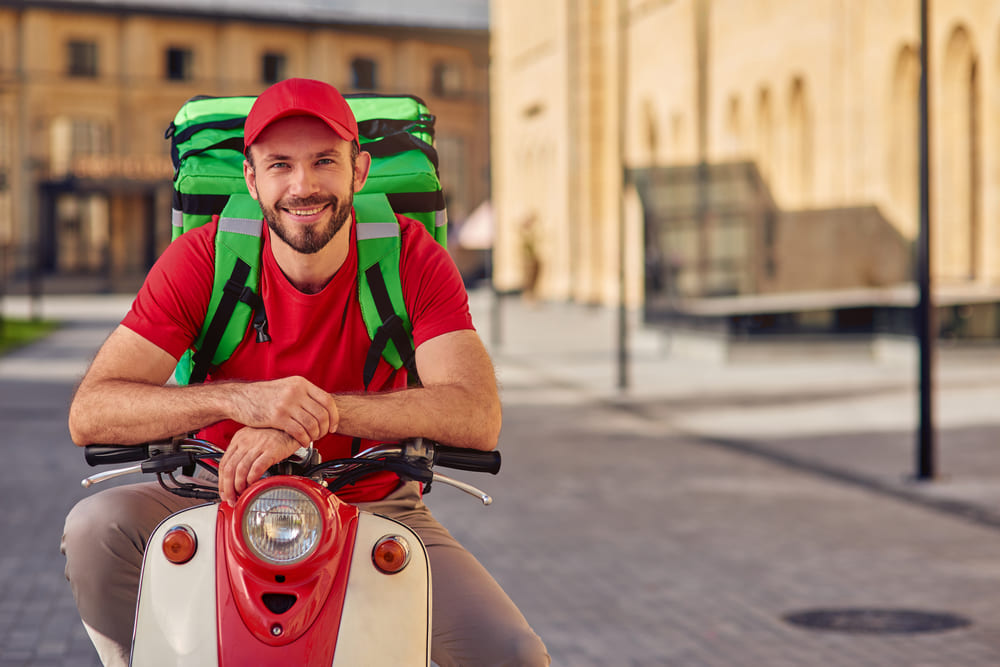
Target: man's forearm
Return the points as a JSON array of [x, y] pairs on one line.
[[126, 412], [129, 411], [449, 414]]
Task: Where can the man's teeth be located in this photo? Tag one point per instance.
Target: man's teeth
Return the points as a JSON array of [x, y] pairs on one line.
[[305, 211]]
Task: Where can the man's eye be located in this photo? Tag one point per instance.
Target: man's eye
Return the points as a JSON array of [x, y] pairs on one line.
[[324, 161], [277, 165]]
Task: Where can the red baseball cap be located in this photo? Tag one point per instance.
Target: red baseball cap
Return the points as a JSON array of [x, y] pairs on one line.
[[301, 97]]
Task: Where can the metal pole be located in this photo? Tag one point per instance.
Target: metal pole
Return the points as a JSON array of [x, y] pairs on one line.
[[622, 321], [703, 211], [924, 319], [3, 284], [29, 237]]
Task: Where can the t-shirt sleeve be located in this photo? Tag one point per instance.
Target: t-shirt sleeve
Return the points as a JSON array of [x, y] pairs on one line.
[[170, 307], [435, 295]]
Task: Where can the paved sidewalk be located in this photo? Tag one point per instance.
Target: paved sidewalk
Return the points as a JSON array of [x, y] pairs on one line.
[[832, 409], [39, 625]]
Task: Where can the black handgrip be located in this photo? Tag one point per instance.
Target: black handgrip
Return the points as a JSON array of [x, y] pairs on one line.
[[99, 455], [467, 459]]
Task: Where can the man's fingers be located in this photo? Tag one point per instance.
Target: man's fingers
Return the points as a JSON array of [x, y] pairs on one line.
[[334, 416], [257, 469], [232, 471], [324, 411], [226, 492], [241, 472], [250, 453], [329, 415], [296, 430], [316, 418], [311, 419], [294, 405]]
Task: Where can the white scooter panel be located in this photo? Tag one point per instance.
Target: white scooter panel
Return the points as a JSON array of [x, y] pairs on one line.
[[175, 619], [387, 617]]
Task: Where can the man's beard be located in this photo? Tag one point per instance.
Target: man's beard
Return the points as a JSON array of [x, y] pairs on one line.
[[310, 239]]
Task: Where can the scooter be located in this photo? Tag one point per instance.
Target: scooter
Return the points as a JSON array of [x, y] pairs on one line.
[[291, 575]]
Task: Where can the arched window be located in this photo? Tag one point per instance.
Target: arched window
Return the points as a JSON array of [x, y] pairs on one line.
[[677, 130], [764, 138], [652, 132], [800, 157], [957, 218], [734, 127], [904, 140]]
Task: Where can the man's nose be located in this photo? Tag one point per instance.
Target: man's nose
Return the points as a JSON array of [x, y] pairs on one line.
[[303, 182]]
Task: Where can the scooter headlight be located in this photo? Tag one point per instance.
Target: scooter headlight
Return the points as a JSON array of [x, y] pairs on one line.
[[282, 525]]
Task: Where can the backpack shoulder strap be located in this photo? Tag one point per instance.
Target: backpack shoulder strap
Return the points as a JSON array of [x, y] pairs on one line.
[[379, 290], [234, 301]]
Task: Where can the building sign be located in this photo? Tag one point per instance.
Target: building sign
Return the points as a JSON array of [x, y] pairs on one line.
[[127, 167]]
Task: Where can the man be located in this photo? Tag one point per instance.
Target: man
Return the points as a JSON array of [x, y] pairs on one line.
[[303, 166]]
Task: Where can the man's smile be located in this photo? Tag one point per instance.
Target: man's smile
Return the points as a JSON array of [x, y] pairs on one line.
[[306, 212]]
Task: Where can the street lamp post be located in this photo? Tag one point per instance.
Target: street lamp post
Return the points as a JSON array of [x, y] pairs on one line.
[[924, 317], [622, 357]]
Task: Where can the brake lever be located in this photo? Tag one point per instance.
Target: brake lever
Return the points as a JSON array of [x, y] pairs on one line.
[[109, 474], [462, 486]]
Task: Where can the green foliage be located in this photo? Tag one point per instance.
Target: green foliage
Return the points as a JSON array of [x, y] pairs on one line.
[[15, 333]]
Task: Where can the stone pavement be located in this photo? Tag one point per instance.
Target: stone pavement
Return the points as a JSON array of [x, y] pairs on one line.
[[677, 523], [38, 620], [843, 410]]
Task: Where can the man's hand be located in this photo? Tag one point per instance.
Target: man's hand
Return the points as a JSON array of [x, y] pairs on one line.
[[250, 453], [293, 405]]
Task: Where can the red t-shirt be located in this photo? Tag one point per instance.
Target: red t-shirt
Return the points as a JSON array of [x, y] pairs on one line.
[[321, 337]]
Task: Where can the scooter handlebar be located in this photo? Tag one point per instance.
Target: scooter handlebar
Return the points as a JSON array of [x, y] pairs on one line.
[[467, 459], [99, 455]]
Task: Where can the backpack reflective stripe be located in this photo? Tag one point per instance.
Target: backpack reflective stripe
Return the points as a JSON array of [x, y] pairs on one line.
[[379, 290], [176, 223], [244, 226], [377, 230], [238, 244]]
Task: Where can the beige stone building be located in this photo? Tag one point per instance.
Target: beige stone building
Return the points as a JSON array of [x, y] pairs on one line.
[[87, 89], [771, 146]]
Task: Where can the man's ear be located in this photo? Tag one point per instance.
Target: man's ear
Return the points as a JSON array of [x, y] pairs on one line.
[[361, 167], [250, 176]]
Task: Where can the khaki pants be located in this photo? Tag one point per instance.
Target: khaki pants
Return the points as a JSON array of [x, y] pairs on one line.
[[474, 622]]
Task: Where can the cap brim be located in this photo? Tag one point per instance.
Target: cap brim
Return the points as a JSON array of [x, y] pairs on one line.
[[338, 128]]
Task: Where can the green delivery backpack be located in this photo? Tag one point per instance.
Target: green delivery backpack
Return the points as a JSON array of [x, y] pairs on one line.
[[207, 151]]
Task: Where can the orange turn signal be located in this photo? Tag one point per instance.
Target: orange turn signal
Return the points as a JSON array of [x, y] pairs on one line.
[[391, 554], [180, 544]]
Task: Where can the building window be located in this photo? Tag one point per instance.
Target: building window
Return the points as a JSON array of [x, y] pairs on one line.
[[454, 171], [70, 138], [90, 137], [446, 80], [6, 152], [272, 67], [363, 71], [81, 58], [179, 63]]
